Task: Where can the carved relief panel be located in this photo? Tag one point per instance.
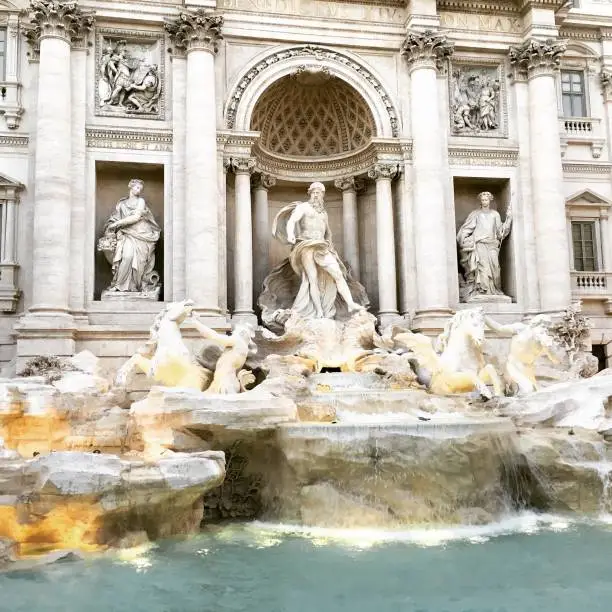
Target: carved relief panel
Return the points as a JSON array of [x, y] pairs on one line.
[[130, 74], [477, 99]]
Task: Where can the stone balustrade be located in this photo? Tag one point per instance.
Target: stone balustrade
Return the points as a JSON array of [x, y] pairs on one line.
[[591, 283]]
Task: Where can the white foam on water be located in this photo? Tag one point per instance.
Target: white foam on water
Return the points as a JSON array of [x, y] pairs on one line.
[[525, 523]]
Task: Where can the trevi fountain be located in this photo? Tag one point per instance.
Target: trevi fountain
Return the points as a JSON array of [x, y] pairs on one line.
[[317, 425]]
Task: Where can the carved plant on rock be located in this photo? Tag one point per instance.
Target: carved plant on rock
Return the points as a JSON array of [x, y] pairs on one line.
[[572, 332]]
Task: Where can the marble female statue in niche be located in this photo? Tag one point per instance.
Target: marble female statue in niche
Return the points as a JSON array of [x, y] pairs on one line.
[[479, 239], [128, 242]]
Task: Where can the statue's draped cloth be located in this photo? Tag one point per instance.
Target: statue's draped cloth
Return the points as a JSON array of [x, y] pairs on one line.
[[287, 286], [134, 256], [479, 240]]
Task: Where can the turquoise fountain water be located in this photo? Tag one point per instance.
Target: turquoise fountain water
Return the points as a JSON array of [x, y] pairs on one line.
[[523, 564]]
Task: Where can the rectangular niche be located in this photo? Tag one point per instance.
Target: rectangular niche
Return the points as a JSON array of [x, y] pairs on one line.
[[466, 190], [477, 99], [130, 74], [112, 180]]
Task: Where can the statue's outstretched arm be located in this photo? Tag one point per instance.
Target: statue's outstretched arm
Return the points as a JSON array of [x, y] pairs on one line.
[[506, 330], [210, 334]]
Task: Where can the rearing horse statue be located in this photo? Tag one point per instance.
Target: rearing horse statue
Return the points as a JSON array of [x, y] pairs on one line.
[[458, 364]]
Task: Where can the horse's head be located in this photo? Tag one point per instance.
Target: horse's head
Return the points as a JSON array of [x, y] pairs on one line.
[[540, 328], [179, 311], [468, 324]]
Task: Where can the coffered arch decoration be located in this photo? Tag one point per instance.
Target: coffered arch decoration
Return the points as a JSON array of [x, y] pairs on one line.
[[274, 65], [311, 115]]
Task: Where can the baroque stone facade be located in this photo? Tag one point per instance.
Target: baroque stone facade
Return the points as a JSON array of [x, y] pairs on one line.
[[405, 114]]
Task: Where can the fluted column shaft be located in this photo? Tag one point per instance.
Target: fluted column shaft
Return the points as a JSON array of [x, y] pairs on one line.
[[51, 249], [424, 53], [52, 28], [539, 60], [243, 241], [385, 242], [261, 229], [198, 33], [350, 223]]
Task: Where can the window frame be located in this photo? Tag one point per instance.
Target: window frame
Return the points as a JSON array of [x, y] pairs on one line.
[[596, 240], [583, 96]]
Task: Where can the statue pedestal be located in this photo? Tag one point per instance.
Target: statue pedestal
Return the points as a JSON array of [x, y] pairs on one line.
[[130, 296], [489, 299]]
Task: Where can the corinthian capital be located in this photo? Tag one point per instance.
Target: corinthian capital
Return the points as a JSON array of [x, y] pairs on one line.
[[535, 57], [259, 180], [606, 84], [240, 165], [426, 49], [57, 19], [383, 171], [196, 30], [349, 183]]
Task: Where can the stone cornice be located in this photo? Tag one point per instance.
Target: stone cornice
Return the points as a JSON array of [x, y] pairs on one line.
[[57, 19], [483, 7], [426, 49], [601, 168], [14, 141], [535, 57], [196, 30]]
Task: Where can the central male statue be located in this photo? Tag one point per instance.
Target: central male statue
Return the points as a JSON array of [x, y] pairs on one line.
[[313, 262]]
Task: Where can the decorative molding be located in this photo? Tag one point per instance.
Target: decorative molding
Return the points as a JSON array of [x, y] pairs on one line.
[[106, 138], [14, 141], [601, 168], [426, 49], [606, 84], [196, 30], [318, 53], [577, 33], [57, 19], [470, 114], [535, 57], [480, 156], [383, 171], [331, 168], [143, 54]]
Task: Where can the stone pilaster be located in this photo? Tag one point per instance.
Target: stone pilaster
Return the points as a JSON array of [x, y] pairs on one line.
[[179, 130], [425, 53], [53, 27], [538, 61], [383, 173], [350, 221], [197, 33], [79, 175], [262, 230], [242, 167]]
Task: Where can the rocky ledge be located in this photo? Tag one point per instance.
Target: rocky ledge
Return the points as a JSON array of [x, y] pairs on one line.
[[88, 500]]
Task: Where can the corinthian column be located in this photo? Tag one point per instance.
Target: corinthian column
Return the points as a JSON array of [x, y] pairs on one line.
[[53, 27], [425, 53], [243, 241], [350, 222], [385, 242], [539, 61], [197, 33], [261, 228]]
